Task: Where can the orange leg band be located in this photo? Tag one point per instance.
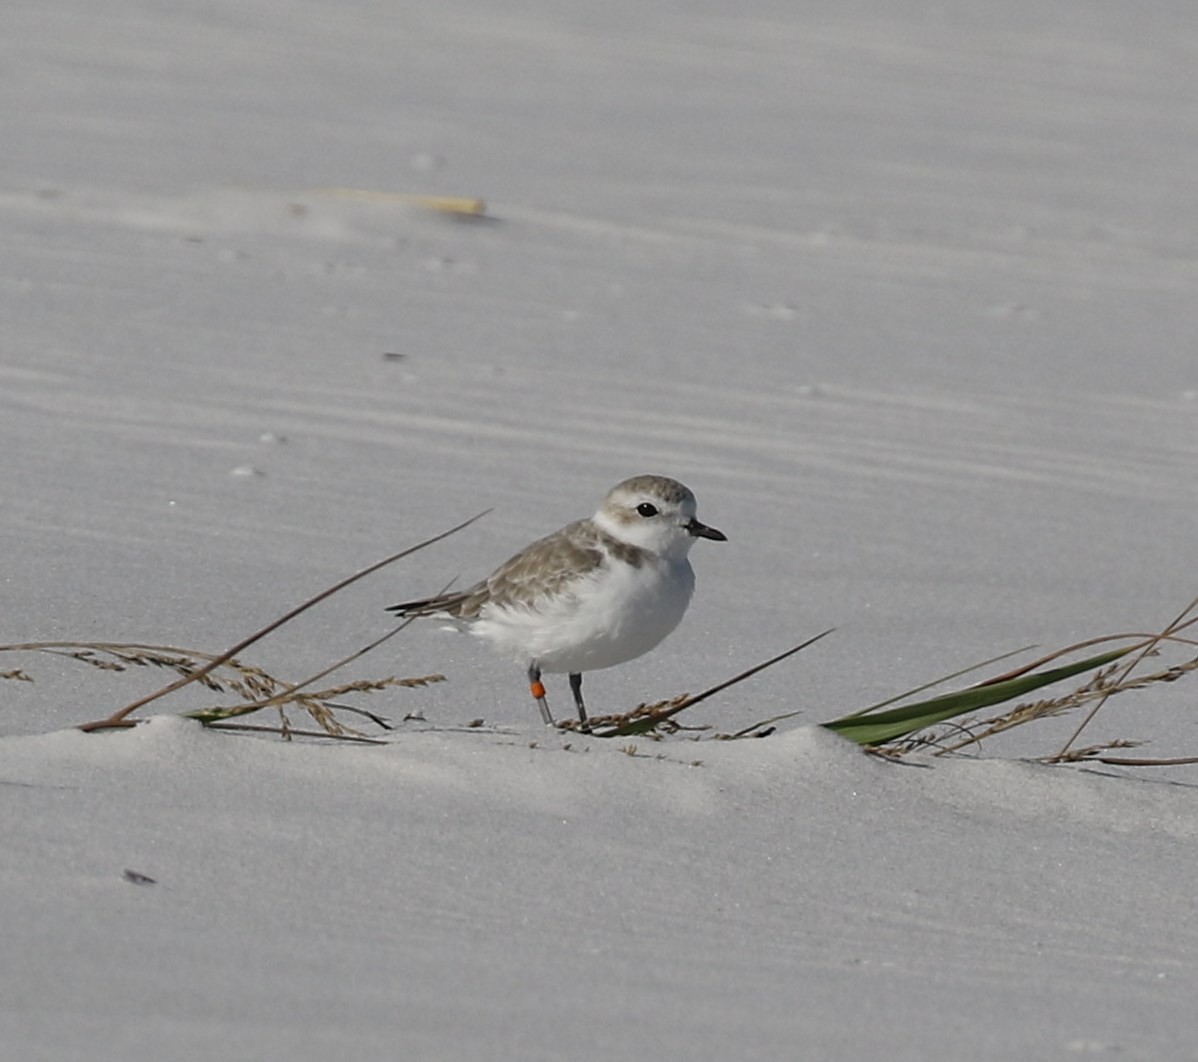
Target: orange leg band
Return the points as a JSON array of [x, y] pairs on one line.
[[537, 690]]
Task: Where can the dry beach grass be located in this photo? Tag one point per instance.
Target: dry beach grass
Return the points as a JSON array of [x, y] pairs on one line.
[[930, 726]]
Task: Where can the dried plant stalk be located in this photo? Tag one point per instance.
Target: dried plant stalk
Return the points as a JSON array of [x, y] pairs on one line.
[[120, 717]]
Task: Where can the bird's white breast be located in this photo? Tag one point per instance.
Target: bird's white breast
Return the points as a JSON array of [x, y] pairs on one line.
[[609, 617]]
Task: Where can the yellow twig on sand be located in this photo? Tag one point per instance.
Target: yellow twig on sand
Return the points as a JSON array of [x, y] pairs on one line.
[[464, 206]]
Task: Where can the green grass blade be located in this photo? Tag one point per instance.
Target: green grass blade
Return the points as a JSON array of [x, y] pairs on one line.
[[946, 678], [875, 728]]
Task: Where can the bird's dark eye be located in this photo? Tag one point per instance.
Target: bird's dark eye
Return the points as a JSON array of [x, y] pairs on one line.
[[647, 509]]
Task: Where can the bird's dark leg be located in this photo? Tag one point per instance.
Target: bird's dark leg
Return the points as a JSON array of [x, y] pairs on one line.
[[538, 691], [576, 689]]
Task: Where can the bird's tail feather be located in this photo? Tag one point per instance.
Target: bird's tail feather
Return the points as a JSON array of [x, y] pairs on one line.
[[428, 606]]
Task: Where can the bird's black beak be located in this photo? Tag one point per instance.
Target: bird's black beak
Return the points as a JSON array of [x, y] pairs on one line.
[[703, 531]]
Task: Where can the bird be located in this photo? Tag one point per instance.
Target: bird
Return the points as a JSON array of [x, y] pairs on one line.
[[598, 592]]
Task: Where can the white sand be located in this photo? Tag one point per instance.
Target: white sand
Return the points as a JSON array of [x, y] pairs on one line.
[[907, 301]]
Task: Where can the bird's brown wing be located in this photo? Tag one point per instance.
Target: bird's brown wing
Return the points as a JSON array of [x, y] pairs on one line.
[[546, 567], [543, 569]]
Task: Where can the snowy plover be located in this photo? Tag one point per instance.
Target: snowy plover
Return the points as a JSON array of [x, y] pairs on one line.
[[597, 593]]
